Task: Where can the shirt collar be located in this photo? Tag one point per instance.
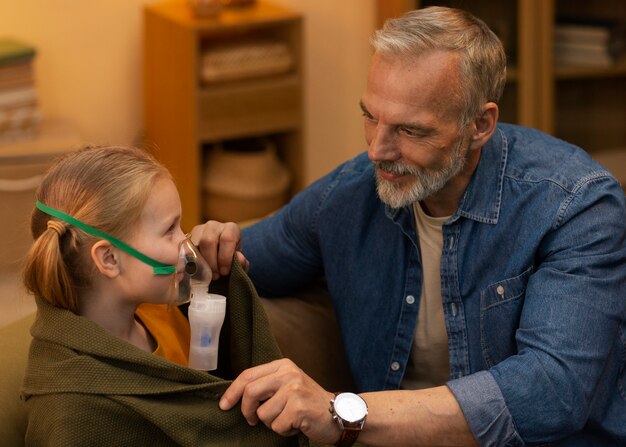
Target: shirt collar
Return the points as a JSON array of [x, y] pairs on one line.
[[482, 198], [483, 195]]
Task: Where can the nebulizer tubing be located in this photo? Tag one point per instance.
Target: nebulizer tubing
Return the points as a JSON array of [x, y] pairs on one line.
[[158, 268]]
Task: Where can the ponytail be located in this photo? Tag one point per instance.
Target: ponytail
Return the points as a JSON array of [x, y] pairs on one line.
[[46, 273]]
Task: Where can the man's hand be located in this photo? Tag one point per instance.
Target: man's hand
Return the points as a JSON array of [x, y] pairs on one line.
[[285, 399], [218, 243]]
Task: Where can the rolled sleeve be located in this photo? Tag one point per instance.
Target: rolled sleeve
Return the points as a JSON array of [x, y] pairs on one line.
[[485, 410]]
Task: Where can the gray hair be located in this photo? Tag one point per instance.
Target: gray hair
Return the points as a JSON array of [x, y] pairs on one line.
[[482, 56]]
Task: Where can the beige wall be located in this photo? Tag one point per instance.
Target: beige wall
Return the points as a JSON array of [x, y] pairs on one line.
[[89, 68], [337, 46]]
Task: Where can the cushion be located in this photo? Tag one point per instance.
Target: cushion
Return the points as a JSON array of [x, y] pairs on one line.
[[14, 341], [306, 330]]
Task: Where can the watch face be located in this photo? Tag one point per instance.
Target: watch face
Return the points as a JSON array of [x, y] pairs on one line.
[[350, 407]]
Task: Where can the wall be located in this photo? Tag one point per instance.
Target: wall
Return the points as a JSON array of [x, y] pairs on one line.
[[337, 47], [89, 68], [88, 63]]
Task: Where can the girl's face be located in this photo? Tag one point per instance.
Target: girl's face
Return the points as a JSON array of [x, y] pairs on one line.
[[158, 235]]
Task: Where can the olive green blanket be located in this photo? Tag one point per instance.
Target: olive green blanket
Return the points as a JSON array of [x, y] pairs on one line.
[[84, 387]]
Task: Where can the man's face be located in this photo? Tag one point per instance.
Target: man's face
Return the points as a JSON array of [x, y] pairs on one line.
[[411, 112]]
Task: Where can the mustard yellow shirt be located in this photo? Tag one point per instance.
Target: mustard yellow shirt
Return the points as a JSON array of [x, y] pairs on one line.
[[169, 328]]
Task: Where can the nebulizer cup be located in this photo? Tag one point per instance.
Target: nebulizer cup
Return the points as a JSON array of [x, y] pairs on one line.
[[206, 310]]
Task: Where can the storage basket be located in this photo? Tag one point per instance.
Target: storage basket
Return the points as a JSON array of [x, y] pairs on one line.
[[245, 59], [18, 183], [22, 166], [241, 185]]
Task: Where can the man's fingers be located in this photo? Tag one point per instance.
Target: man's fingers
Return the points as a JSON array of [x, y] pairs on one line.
[[285, 399], [257, 393], [229, 242], [206, 237], [218, 244], [234, 392]]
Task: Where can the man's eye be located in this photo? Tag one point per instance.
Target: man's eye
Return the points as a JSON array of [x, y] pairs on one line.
[[368, 117], [412, 133]]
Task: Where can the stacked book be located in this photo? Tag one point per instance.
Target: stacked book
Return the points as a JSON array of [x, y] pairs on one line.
[[586, 44], [20, 115]]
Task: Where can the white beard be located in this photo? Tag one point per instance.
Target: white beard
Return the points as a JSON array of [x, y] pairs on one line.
[[425, 183]]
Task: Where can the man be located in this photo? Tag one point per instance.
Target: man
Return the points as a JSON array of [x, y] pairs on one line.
[[478, 271]]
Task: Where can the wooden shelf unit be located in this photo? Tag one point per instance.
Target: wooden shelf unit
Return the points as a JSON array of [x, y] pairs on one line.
[[583, 105], [182, 114]]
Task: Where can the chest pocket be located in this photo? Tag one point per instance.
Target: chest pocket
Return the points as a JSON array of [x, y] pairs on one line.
[[500, 309]]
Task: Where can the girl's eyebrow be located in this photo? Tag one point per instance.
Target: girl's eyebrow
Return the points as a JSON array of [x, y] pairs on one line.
[[173, 221]]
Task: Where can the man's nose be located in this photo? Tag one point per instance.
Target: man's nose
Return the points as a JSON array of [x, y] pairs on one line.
[[382, 145]]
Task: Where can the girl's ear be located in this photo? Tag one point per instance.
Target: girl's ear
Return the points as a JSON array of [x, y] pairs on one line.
[[104, 258]]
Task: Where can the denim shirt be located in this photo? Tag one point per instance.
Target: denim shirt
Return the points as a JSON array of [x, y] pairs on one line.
[[533, 283]]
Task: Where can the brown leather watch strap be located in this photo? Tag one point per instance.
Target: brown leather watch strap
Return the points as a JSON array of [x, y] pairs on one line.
[[348, 437]]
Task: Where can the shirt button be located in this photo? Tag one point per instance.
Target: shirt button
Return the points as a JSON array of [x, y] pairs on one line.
[[500, 290], [395, 366], [410, 299]]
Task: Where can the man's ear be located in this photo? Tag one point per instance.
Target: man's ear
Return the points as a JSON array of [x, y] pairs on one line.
[[484, 125], [105, 259]]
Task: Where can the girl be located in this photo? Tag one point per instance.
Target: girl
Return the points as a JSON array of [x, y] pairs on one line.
[[107, 360]]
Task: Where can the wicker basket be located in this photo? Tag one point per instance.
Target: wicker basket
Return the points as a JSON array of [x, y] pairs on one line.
[[243, 60], [242, 185]]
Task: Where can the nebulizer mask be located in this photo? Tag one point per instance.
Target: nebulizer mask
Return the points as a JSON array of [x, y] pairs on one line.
[[192, 276]]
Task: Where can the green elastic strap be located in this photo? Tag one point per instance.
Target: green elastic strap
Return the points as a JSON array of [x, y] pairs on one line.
[[157, 267]]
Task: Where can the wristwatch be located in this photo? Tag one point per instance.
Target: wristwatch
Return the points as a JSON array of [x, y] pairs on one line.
[[349, 410]]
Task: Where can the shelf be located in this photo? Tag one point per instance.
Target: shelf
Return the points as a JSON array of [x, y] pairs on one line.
[[617, 70], [583, 105], [54, 138], [260, 14], [183, 115], [252, 107]]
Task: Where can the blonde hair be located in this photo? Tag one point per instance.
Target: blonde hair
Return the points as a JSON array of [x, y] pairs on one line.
[[482, 56], [104, 187]]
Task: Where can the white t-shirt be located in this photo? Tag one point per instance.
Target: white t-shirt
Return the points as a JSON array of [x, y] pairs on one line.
[[429, 360]]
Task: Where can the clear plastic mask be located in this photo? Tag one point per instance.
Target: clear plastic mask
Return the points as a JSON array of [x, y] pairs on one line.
[[193, 272]]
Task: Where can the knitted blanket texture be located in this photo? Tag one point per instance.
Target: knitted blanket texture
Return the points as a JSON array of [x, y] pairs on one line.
[[85, 387]]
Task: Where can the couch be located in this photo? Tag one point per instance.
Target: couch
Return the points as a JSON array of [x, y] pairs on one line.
[[304, 326]]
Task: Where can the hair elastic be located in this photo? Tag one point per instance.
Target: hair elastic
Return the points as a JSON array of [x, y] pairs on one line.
[[58, 227], [158, 268]]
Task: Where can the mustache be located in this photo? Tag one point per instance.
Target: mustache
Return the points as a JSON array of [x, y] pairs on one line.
[[396, 168]]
